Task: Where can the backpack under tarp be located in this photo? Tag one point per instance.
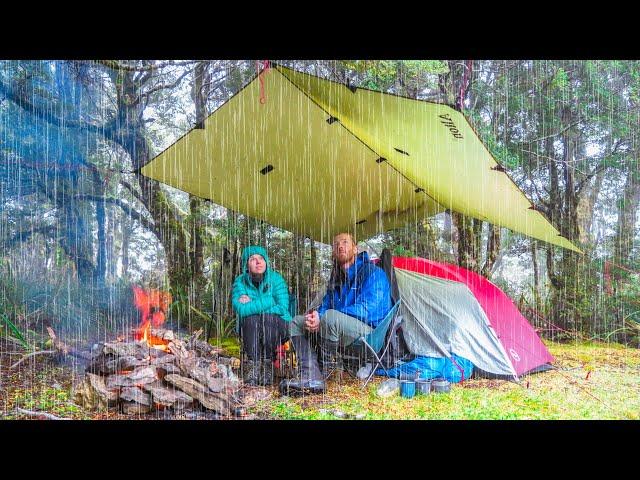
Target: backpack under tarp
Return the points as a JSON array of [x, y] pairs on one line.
[[451, 369]]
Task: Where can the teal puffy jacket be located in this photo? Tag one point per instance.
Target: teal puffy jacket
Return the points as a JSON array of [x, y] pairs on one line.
[[271, 296]]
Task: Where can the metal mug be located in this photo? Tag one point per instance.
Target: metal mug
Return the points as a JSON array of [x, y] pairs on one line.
[[423, 386], [407, 388], [440, 385]]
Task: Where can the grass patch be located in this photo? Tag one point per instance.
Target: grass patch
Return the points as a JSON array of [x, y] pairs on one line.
[[45, 389], [593, 381]]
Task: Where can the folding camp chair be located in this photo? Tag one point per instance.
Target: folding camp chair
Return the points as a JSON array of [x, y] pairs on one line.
[[377, 342]]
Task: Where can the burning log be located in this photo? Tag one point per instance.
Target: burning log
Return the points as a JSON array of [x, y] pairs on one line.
[[103, 365], [139, 376], [163, 360], [134, 394], [131, 349], [135, 408], [227, 372], [186, 359], [162, 334], [180, 350], [159, 370], [211, 401], [217, 378], [94, 394], [165, 369], [189, 377], [204, 348], [131, 363], [109, 364], [217, 385], [166, 397], [64, 348]]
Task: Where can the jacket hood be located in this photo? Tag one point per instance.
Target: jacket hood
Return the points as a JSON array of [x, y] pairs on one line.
[[253, 250], [363, 256], [339, 276]]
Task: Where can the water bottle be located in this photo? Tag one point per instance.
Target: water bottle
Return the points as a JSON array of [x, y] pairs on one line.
[[389, 387], [364, 371]]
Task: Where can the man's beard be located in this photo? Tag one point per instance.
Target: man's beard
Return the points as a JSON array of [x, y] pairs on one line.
[[345, 258]]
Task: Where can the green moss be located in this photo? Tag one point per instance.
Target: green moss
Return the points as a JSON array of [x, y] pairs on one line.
[[229, 345]]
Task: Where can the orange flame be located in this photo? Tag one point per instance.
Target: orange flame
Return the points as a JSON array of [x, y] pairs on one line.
[[152, 305]]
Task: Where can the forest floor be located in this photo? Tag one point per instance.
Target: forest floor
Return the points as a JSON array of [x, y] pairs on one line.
[[591, 381]]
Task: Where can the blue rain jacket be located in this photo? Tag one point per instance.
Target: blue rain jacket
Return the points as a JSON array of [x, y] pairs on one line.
[[365, 295]]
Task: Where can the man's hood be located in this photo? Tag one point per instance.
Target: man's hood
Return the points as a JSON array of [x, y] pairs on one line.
[[361, 258]]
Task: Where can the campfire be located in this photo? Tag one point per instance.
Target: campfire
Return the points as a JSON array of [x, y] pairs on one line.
[[152, 305], [158, 371]]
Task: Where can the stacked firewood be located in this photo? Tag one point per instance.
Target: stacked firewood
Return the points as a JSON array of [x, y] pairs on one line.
[[137, 378]]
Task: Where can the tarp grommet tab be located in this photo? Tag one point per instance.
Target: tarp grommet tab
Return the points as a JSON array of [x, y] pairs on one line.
[[267, 169], [331, 120], [381, 159], [418, 190], [498, 168]]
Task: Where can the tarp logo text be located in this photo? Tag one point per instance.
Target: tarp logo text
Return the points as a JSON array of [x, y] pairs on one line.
[[447, 122]]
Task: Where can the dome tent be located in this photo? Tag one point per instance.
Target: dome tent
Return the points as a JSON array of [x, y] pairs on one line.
[[449, 311]]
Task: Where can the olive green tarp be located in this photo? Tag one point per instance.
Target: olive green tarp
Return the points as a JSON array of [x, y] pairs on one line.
[[319, 157]]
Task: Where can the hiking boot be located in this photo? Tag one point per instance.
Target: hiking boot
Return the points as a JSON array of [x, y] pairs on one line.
[[329, 358], [251, 372], [309, 379], [267, 372]]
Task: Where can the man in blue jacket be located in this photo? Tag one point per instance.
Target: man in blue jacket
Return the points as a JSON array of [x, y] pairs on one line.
[[358, 297]]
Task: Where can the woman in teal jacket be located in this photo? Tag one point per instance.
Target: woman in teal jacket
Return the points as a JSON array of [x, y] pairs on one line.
[[260, 297]]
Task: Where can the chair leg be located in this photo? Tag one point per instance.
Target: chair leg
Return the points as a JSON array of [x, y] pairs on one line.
[[327, 376], [377, 364]]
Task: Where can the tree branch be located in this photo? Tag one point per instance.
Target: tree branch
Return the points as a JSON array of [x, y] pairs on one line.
[[580, 185], [215, 84], [9, 93], [115, 65], [30, 355], [45, 415], [23, 236], [554, 134], [161, 87], [132, 191], [599, 168], [125, 208], [542, 209]]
